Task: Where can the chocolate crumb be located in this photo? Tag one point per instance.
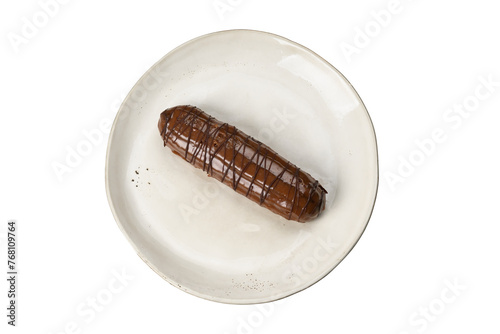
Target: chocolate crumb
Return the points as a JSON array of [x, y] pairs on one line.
[[137, 172]]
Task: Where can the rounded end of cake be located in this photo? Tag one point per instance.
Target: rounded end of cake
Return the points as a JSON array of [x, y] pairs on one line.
[[315, 206]]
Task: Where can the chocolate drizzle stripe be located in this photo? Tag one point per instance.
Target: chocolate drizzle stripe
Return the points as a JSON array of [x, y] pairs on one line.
[[315, 186], [179, 122], [257, 169], [255, 154], [296, 190], [266, 174], [276, 179], [188, 141]]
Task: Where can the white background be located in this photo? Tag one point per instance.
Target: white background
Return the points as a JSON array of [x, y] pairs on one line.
[[428, 261]]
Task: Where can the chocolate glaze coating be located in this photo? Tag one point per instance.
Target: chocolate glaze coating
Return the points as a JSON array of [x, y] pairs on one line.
[[248, 166]]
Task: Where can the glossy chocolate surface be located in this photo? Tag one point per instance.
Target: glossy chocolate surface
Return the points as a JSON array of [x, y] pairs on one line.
[[250, 167]]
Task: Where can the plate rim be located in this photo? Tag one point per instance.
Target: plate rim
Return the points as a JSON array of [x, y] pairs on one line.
[[135, 247]]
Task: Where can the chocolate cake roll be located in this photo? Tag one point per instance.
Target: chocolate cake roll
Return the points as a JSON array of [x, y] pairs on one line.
[[248, 166]]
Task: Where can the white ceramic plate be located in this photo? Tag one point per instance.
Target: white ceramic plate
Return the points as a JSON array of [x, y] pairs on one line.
[[197, 233]]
